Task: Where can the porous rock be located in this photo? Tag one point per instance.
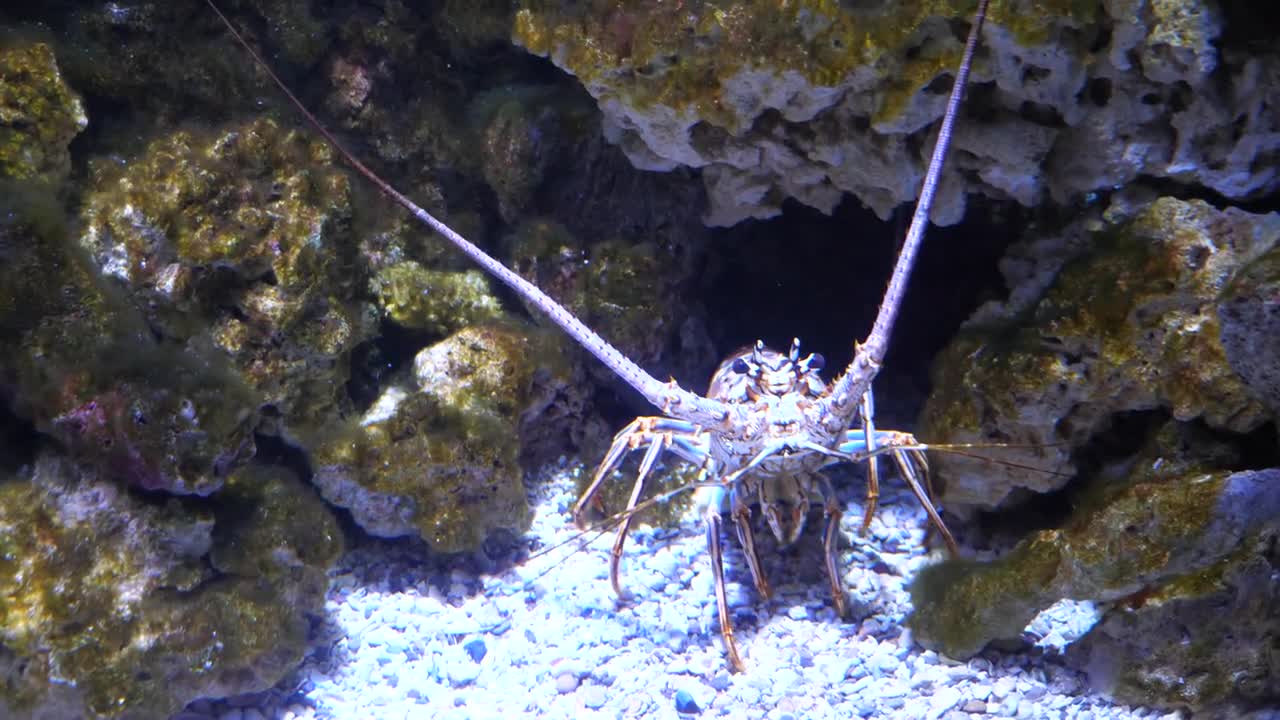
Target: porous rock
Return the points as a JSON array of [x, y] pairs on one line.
[[810, 100], [1130, 323]]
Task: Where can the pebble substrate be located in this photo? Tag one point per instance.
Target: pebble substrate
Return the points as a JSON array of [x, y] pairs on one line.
[[408, 635]]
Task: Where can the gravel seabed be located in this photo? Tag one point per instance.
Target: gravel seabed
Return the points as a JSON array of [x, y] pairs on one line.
[[409, 636]]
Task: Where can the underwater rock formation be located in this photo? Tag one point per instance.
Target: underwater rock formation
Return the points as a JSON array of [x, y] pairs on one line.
[[810, 100], [39, 115], [173, 603], [239, 239], [1130, 323], [79, 363], [1171, 517], [1204, 640], [1188, 561], [441, 459], [1154, 308]]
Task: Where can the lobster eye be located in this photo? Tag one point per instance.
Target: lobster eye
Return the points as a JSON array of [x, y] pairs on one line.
[[817, 362], [740, 366]]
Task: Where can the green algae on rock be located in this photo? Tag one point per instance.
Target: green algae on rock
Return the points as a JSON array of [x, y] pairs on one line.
[[815, 99], [761, 95], [684, 55], [1141, 653], [1131, 324], [240, 239], [273, 526], [113, 610], [438, 301], [85, 369], [1141, 536], [625, 288], [441, 460], [39, 115]]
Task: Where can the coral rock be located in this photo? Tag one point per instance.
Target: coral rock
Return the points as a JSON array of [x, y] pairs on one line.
[[441, 460], [39, 115], [1131, 324], [141, 625]]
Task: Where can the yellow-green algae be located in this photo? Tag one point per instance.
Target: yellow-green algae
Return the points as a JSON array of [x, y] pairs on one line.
[[39, 115], [273, 526], [439, 301], [1203, 642], [252, 197], [240, 237], [679, 54], [1141, 532], [445, 458], [87, 371], [1130, 292], [110, 602], [623, 287], [1130, 542], [1130, 325]]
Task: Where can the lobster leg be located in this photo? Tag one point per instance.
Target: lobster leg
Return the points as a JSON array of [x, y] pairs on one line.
[[722, 602], [908, 471], [873, 461], [746, 537], [913, 466], [656, 445], [683, 438], [623, 442], [831, 510]]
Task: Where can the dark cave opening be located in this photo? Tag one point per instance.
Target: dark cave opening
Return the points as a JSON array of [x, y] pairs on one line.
[[821, 278]]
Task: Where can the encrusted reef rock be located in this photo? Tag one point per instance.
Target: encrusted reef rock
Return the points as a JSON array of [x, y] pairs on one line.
[[1156, 534], [441, 459], [518, 142], [812, 99], [39, 115], [79, 363], [625, 288], [176, 52], [1162, 301], [1249, 315], [144, 623], [1187, 558], [239, 239], [1206, 639], [1154, 309], [437, 301]]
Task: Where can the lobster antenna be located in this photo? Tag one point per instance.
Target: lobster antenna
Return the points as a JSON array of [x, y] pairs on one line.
[[857, 378], [669, 397]]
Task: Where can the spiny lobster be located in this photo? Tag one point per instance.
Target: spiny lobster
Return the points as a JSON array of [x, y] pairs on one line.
[[768, 422]]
